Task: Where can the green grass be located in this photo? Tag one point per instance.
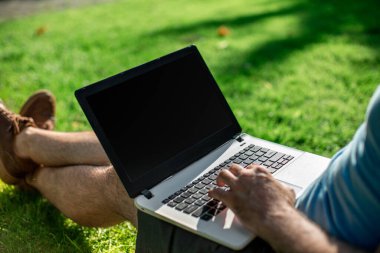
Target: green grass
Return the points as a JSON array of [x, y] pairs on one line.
[[295, 72]]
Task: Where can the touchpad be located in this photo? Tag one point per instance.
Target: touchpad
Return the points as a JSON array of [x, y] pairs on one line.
[[303, 171]]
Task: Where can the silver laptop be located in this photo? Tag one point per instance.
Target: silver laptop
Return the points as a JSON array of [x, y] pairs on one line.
[[168, 131]]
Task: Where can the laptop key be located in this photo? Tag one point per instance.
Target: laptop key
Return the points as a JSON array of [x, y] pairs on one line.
[[200, 202], [254, 157], [172, 204], [264, 150], [192, 190], [229, 164], [248, 161], [209, 187], [276, 157], [213, 177], [244, 165], [268, 163], [212, 203], [199, 185], [203, 177], [208, 174], [197, 180], [198, 213], [259, 153], [206, 181], [190, 209], [165, 201], [190, 200], [203, 191], [263, 159], [285, 162], [238, 160], [270, 153], [197, 195], [248, 153], [178, 199], [256, 148], [206, 198], [213, 170], [206, 217], [185, 188], [181, 206], [234, 156], [243, 157], [257, 162], [186, 195]]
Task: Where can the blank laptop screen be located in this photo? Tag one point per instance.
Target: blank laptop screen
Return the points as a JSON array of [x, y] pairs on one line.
[[154, 116]]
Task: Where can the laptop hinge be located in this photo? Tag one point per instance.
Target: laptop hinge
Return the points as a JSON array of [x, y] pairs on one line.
[[147, 194], [239, 137]]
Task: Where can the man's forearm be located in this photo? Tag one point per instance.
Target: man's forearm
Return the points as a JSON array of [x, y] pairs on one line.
[[288, 231], [269, 212]]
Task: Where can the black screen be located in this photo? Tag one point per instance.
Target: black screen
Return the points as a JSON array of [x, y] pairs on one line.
[[157, 115]]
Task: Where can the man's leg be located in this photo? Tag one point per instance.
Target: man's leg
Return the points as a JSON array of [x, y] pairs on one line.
[[88, 191], [89, 195], [60, 149]]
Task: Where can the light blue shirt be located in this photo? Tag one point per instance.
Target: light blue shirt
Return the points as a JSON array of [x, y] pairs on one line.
[[345, 200]]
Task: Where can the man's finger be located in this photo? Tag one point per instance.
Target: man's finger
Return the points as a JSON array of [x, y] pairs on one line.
[[236, 169], [260, 168], [257, 169], [226, 177], [222, 195], [252, 166]]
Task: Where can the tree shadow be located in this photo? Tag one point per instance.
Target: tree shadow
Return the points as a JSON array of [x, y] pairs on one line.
[[28, 223], [233, 22], [354, 19], [317, 21]]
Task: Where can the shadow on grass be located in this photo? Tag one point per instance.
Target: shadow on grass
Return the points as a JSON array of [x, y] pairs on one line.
[[231, 22], [318, 20], [28, 223], [354, 19]]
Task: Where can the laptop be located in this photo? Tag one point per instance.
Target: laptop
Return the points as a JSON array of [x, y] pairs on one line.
[[168, 131]]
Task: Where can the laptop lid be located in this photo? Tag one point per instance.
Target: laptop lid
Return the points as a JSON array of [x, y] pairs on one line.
[[158, 118]]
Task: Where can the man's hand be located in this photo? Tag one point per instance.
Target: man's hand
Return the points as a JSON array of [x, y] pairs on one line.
[[254, 196], [265, 207]]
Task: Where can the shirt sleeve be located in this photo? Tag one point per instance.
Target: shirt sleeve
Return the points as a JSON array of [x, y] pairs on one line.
[[345, 199]]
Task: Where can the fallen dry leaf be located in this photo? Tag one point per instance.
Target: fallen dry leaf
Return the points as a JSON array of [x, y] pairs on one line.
[[223, 31], [40, 30]]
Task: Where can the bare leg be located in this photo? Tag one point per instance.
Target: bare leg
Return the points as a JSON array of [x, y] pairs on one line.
[[76, 176], [60, 149], [89, 195]]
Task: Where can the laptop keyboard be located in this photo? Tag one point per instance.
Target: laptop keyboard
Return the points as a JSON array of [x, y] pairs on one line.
[[193, 199]]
